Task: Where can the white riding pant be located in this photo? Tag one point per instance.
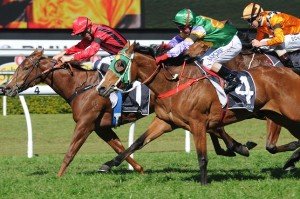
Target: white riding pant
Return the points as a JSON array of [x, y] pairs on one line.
[[291, 43], [105, 60], [222, 54]]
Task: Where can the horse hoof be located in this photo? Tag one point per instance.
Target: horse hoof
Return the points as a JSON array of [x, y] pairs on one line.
[[229, 153], [104, 169], [290, 168], [250, 145], [242, 150]]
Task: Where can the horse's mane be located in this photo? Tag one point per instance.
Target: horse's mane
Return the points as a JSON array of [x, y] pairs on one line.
[[144, 50]]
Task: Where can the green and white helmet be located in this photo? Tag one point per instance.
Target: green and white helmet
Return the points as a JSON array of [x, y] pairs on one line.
[[185, 17]]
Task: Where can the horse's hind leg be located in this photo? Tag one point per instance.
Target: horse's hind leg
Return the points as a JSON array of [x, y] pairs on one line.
[[111, 138], [290, 163], [81, 133], [272, 138], [156, 129]]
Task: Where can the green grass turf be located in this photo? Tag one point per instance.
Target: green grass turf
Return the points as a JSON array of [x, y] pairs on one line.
[[169, 171]]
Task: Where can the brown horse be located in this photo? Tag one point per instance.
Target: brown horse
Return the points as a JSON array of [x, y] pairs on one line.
[[245, 60], [197, 107], [91, 112]]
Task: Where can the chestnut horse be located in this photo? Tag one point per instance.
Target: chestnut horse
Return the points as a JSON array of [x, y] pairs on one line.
[[245, 60], [197, 107], [91, 112]]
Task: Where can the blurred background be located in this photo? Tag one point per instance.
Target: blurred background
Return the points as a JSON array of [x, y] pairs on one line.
[[29, 24]]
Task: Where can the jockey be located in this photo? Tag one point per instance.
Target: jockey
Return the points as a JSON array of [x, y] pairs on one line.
[[94, 37], [282, 29], [225, 45]]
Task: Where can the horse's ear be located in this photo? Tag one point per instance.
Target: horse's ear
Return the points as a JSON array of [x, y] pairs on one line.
[[131, 47], [39, 52], [127, 44]]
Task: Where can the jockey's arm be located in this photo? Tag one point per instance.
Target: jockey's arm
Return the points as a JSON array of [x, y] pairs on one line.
[[278, 36], [276, 26], [83, 44], [88, 52], [175, 40], [197, 32]]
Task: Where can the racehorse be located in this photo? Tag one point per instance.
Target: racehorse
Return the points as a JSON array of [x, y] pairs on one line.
[[194, 104], [91, 112], [245, 60]]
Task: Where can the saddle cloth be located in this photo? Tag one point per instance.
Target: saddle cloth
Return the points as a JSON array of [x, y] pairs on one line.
[[136, 101], [243, 96], [295, 58]]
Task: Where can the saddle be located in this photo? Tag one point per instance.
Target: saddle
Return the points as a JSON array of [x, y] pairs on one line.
[[242, 97], [136, 101]]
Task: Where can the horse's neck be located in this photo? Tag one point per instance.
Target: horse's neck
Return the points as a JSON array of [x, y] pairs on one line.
[[161, 82], [66, 84]]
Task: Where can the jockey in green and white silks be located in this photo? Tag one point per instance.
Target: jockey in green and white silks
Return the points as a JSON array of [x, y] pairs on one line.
[[222, 38]]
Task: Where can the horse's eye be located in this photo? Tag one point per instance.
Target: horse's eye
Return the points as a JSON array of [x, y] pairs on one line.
[[120, 66]]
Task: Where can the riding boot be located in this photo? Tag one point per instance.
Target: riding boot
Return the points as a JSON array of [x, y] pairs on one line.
[[286, 60], [231, 78]]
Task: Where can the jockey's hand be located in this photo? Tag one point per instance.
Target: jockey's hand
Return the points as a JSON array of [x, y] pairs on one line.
[[161, 58], [256, 43], [164, 46], [59, 55], [65, 58]]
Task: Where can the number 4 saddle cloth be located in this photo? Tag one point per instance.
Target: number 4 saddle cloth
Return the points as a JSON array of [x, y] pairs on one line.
[[243, 96]]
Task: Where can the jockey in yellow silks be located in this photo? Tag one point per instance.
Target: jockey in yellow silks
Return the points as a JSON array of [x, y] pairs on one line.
[[282, 30]]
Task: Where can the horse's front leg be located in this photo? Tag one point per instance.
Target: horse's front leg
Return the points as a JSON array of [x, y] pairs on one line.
[[231, 144], [198, 130], [81, 133], [111, 138], [218, 149], [156, 129]]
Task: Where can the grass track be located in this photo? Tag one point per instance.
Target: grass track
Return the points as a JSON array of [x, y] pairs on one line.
[[170, 172]]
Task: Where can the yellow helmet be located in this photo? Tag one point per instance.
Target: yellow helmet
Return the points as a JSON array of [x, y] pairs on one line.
[[252, 11]]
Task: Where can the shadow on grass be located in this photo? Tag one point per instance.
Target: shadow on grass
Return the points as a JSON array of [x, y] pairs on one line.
[[39, 173], [119, 171], [247, 174], [279, 173], [215, 175]]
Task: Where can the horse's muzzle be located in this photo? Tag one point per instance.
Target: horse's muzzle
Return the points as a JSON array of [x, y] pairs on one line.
[[10, 92], [2, 91]]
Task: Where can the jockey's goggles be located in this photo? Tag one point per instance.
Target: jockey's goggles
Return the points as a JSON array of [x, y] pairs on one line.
[[182, 27], [82, 34]]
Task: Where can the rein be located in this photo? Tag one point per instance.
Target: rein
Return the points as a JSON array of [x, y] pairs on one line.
[[179, 86], [153, 74], [44, 74], [78, 92]]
